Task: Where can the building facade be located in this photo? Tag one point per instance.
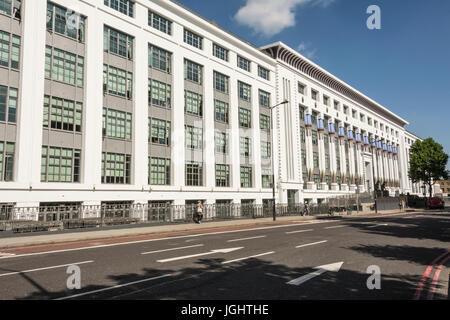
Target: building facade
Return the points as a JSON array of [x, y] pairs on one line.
[[144, 102]]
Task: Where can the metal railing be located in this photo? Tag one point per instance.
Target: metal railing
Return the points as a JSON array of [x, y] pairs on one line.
[[43, 218]]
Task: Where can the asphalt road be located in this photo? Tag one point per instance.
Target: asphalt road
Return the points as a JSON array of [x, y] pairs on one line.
[[269, 263]]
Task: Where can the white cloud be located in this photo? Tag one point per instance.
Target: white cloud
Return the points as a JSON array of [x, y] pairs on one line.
[[306, 50], [270, 17]]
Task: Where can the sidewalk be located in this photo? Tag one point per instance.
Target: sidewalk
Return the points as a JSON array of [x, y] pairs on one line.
[[49, 238]]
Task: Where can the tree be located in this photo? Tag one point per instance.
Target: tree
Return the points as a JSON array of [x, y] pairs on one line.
[[427, 162]]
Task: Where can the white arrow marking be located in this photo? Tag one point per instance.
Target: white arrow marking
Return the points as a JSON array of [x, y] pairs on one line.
[[201, 254], [333, 267]]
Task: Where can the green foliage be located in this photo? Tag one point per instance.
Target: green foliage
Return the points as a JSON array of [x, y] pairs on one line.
[[427, 162]]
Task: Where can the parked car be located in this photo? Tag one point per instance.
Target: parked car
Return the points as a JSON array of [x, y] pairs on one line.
[[435, 203]]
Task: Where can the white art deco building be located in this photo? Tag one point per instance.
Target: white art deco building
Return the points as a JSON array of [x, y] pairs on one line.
[[146, 102]]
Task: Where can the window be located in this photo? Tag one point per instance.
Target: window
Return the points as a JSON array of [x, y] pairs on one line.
[[9, 6], [6, 161], [159, 23], [193, 39], [326, 140], [62, 114], [243, 63], [123, 6], [64, 66], [159, 171], [159, 131], [266, 150], [193, 103], [159, 59], [264, 99], [116, 124], [159, 94], [116, 168], [327, 162], [302, 113], [194, 137], [8, 104], [245, 120], [314, 94], [221, 142], [220, 52], [194, 173], [301, 88], [246, 177], [264, 122], [193, 71], [221, 111], [326, 100], [222, 175], [245, 91], [117, 82], [266, 177], [245, 147], [346, 110], [263, 73], [354, 114], [65, 22], [314, 137], [118, 43], [316, 160], [303, 159], [361, 117], [336, 105], [221, 82], [60, 164], [9, 50], [303, 134]]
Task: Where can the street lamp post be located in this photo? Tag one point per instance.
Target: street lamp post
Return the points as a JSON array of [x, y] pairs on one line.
[[273, 163]]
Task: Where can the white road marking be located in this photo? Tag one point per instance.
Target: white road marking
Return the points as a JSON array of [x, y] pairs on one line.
[[298, 231], [377, 225], [111, 288], [152, 240], [335, 227], [311, 244], [4, 254], [46, 268], [245, 258], [334, 267], [200, 254], [172, 249], [243, 239]]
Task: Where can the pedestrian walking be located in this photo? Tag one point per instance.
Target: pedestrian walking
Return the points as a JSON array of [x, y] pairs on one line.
[[199, 212], [306, 209]]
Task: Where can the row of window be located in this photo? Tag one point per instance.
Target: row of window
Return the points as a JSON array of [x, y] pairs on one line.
[[326, 101], [162, 24]]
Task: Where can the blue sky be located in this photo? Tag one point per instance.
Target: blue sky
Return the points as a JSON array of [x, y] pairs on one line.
[[405, 66]]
